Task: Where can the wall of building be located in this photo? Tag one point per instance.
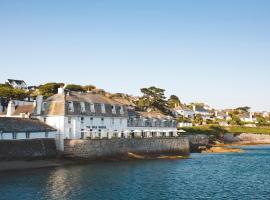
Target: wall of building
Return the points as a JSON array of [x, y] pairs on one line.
[[119, 148], [22, 136], [27, 149]]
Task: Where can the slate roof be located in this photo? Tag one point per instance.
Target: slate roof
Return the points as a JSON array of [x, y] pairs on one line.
[[13, 125], [58, 105], [24, 109]]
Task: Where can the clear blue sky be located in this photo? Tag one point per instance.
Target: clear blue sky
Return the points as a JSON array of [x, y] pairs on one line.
[[212, 51]]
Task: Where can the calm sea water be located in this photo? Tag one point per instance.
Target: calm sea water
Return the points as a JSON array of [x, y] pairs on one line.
[[213, 176]]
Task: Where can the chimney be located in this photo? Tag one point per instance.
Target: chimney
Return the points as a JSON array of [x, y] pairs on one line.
[[194, 108], [10, 109], [39, 102], [216, 113], [250, 115], [61, 90]]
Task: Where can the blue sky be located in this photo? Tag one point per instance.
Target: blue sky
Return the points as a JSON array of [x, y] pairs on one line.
[[212, 51]]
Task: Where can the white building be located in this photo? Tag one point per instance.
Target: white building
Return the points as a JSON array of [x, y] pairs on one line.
[[78, 115], [183, 111], [18, 84], [21, 128], [151, 124], [248, 117]]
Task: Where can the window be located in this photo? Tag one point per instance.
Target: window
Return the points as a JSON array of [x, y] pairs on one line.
[[113, 109], [92, 107], [122, 110], [45, 119], [14, 136], [69, 120], [82, 120], [121, 120], [46, 134], [103, 108], [112, 120], [70, 106], [82, 107], [27, 135], [44, 105], [82, 133], [102, 120]]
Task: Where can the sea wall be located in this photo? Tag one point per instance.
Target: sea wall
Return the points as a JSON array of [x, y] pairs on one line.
[[247, 137], [29, 149], [198, 142], [122, 148]]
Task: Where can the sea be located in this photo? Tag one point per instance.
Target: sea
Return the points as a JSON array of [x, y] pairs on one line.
[[202, 176]]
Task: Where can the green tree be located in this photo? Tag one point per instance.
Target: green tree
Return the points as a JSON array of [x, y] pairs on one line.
[[198, 119], [49, 89], [174, 101], [153, 98], [235, 120], [9, 92], [75, 88], [243, 109], [89, 87]]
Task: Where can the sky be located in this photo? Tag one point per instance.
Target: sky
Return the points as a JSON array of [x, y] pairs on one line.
[[213, 51]]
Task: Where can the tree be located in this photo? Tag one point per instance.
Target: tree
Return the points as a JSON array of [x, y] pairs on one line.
[[9, 92], [49, 89], [235, 120], [153, 98], [174, 101], [243, 109], [75, 88], [89, 87], [198, 119]]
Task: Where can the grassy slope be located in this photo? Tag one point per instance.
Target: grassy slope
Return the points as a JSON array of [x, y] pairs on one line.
[[217, 130]]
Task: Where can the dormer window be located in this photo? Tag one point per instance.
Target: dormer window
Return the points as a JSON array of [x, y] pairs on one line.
[[122, 110], [43, 107], [103, 108], [70, 106], [82, 107], [92, 107], [113, 109]]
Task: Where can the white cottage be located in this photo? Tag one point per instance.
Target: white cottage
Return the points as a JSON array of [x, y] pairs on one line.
[[21, 128]]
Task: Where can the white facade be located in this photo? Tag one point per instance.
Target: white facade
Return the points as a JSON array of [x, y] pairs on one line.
[[28, 135]]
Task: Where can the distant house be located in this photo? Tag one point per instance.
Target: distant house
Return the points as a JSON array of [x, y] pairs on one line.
[[222, 115], [206, 114], [248, 117], [19, 128], [18, 84], [183, 111]]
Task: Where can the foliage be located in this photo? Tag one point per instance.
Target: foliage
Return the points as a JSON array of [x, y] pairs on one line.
[[9, 92], [49, 89], [198, 119], [75, 88], [243, 109], [89, 87], [261, 120], [153, 98], [235, 120], [174, 101]]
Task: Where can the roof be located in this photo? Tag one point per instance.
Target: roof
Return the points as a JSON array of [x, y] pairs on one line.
[[58, 105], [123, 101], [13, 125], [19, 82], [24, 109], [153, 114]]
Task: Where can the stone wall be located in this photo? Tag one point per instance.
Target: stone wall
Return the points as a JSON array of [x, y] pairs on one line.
[[247, 137], [27, 149], [121, 148], [197, 142]]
